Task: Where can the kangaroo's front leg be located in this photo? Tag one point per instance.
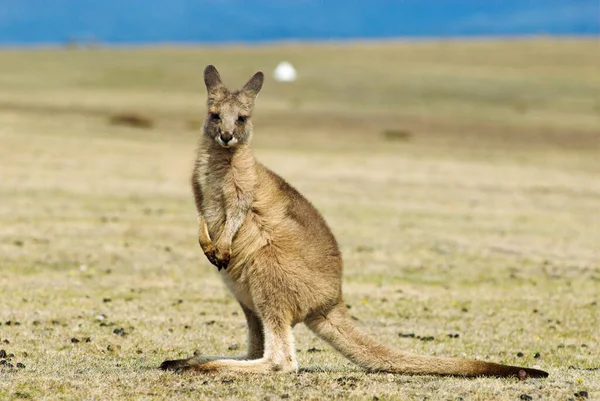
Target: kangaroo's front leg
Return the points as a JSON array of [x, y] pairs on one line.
[[238, 204], [203, 235], [206, 243]]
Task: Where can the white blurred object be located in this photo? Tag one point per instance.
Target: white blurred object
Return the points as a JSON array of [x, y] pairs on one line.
[[285, 72]]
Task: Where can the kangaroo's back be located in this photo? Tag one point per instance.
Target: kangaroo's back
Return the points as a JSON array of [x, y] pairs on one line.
[[313, 233]]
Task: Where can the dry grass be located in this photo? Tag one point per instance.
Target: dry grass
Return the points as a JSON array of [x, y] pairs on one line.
[[482, 221]]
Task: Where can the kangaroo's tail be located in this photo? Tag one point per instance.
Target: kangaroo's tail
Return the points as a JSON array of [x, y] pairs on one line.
[[338, 329]]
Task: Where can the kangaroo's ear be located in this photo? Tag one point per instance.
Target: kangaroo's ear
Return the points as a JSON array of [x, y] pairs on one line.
[[254, 85], [212, 79]]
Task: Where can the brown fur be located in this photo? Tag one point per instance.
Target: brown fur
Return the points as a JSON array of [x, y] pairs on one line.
[[278, 257]]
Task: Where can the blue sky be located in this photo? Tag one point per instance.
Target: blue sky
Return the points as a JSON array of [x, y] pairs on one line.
[[150, 21]]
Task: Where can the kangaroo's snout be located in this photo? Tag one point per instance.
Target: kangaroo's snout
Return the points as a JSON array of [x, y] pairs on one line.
[[226, 137]]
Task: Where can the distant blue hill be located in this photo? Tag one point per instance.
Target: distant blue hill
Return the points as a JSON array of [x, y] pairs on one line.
[[150, 21]]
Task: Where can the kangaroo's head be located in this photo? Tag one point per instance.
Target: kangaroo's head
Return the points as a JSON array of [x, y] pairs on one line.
[[229, 112]]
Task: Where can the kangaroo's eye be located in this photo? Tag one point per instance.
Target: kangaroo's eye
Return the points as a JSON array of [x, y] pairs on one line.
[[242, 119], [214, 116]]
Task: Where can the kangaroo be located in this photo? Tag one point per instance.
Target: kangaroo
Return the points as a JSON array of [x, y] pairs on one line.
[[279, 258]]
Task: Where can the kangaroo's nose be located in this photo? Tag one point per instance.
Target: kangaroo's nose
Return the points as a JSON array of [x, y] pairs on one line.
[[226, 137]]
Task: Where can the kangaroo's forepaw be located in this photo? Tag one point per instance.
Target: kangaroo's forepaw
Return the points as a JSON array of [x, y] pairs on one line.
[[218, 258], [223, 258], [178, 365]]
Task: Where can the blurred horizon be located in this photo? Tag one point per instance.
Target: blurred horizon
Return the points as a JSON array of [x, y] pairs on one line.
[[32, 22]]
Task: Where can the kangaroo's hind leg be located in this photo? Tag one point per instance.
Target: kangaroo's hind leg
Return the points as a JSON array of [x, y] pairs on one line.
[[279, 353], [269, 286], [255, 347]]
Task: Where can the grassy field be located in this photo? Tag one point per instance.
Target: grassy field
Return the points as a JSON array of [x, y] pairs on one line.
[[462, 180]]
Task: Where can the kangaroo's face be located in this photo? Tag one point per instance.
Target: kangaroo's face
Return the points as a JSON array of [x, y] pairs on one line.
[[229, 113]]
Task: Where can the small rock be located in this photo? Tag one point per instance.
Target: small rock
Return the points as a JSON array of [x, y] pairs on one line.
[[2, 353], [313, 350], [106, 300], [520, 354], [582, 394], [20, 366], [526, 397], [537, 355], [119, 332], [233, 347], [74, 340]]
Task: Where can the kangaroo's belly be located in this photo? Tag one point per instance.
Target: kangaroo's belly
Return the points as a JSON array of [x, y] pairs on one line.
[[239, 288]]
